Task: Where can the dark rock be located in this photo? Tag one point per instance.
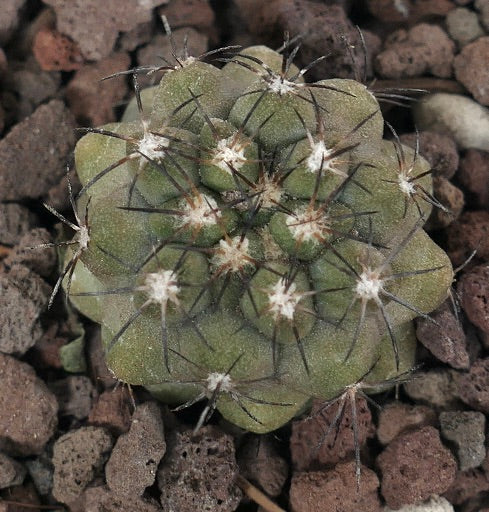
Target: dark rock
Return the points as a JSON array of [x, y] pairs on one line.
[[436, 388], [469, 232], [473, 387], [408, 11], [77, 458], [101, 499], [473, 290], [75, 395], [10, 18], [112, 411], [136, 455], [189, 13], [15, 221], [414, 466], [467, 484], [474, 176], [449, 196], [11, 472], [29, 409]]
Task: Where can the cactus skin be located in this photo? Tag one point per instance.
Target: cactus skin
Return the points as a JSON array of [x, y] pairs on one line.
[[254, 241]]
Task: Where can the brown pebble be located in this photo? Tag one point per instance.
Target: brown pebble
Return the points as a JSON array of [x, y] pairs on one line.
[[75, 395], [473, 387], [335, 490], [468, 233], [92, 100], [29, 409], [397, 418], [188, 13], [55, 52], [474, 176], [408, 11], [472, 69], [435, 388], [467, 484], [473, 290], [451, 198], [112, 411], [102, 499], [414, 466]]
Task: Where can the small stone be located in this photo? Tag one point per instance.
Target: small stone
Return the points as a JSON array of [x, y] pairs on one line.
[[199, 469], [112, 411], [451, 197], [41, 471], [77, 458], [462, 118], [414, 466], [469, 233], [134, 460], [140, 35], [97, 363], [445, 339], [397, 418], [436, 388], [473, 289], [55, 52], [188, 13], [15, 221], [434, 504], [340, 443], [25, 494], [466, 430], [473, 174], [11, 472], [471, 69], [335, 490], [101, 499], [10, 18], [29, 409], [23, 297], [41, 143], [92, 100], [473, 387], [408, 11], [260, 461], [423, 49], [440, 150], [463, 25], [75, 395], [483, 7], [467, 484], [59, 197]]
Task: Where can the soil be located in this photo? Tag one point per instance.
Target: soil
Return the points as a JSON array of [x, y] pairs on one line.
[[78, 440]]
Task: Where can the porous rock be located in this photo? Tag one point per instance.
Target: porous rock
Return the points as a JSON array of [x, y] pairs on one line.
[[15, 221], [188, 13], [40, 144], [75, 395], [473, 174], [471, 69], [436, 388], [467, 484], [469, 233], [398, 417], [29, 410], [199, 473], [136, 455], [55, 52], [11, 472], [335, 490], [463, 25], [452, 200], [473, 288], [414, 466], [340, 443], [77, 457], [434, 504], [408, 11], [473, 386], [112, 411], [102, 499]]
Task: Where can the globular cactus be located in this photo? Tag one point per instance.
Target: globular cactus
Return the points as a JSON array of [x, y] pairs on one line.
[[251, 239]]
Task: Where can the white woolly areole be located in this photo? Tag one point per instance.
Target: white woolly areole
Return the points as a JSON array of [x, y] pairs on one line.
[[162, 287], [221, 380], [269, 192], [369, 285], [232, 254], [405, 185], [153, 146], [203, 212], [319, 153], [283, 299], [307, 225], [228, 153], [83, 237], [279, 85]]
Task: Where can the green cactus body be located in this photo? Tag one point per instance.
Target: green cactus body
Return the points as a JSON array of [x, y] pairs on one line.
[[253, 240]]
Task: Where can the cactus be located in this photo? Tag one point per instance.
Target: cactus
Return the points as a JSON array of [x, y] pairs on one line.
[[251, 239]]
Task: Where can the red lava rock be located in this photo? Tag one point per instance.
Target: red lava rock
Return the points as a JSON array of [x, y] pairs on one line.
[[40, 260], [94, 25], [423, 49], [436, 388], [199, 472], [446, 339], [188, 13], [259, 461], [77, 457], [471, 69], [15, 221], [397, 418], [91, 100], [75, 395], [101, 499], [473, 289], [29, 409], [136, 455], [414, 466], [335, 490], [340, 443], [469, 232], [439, 149], [55, 52], [467, 484], [40, 143], [23, 296], [474, 176], [10, 18], [112, 411], [408, 11], [46, 351], [466, 430], [473, 387], [451, 197]]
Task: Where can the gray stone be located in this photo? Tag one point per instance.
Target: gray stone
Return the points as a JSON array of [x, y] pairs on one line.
[[11, 472], [463, 25], [75, 395]]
